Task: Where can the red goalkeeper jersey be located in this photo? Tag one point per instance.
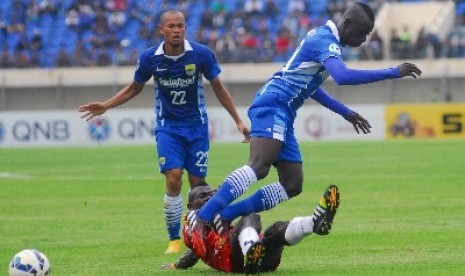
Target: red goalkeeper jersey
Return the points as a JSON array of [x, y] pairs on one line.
[[218, 248]]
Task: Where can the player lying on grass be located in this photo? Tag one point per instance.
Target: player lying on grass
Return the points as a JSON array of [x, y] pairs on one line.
[[242, 248]]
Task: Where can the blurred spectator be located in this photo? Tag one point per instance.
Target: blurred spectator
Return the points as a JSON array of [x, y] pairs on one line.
[[36, 41], [253, 7], [218, 6], [22, 59], [266, 51], [22, 43], [404, 45], [436, 43], [270, 9], [421, 44], [373, 48], [86, 18], [304, 24], [121, 56], [32, 12], [207, 19], [456, 45], [219, 20], [6, 60], [102, 57], [72, 19], [251, 46], [296, 6], [226, 48], [63, 59], [48, 7], [395, 44], [116, 20], [282, 44]]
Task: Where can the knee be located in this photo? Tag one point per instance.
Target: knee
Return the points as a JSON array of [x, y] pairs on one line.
[[293, 190], [261, 170]]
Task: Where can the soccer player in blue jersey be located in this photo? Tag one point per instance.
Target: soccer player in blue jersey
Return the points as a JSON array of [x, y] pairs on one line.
[[177, 66], [274, 108]]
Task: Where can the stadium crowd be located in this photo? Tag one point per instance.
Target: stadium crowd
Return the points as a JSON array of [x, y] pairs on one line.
[[65, 33]]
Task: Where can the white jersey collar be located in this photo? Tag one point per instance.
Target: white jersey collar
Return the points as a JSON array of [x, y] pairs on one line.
[[333, 28], [160, 51]]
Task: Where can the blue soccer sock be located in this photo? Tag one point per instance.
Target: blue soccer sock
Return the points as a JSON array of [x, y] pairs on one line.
[[263, 199], [235, 185], [173, 207]]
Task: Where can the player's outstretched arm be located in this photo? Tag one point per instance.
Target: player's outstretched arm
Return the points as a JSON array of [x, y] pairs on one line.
[[98, 108], [188, 259], [326, 100], [346, 76]]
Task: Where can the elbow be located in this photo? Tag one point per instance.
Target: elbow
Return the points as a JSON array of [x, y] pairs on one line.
[[343, 79]]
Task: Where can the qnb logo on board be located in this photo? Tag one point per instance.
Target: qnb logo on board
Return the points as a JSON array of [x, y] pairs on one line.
[[99, 130]]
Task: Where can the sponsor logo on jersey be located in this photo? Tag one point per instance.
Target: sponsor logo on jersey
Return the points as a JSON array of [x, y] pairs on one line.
[[333, 47], [177, 83], [190, 69]]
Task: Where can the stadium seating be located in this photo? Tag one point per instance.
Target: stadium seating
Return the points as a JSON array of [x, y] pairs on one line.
[[84, 46]]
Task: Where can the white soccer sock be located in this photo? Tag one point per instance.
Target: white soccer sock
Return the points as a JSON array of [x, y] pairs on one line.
[[298, 228], [240, 180], [173, 207], [247, 237]]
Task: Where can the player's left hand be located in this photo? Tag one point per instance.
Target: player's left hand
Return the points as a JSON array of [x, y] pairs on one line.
[[409, 69], [245, 131], [359, 123], [168, 266]]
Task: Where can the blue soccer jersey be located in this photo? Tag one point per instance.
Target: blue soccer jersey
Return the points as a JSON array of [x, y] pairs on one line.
[[304, 72], [180, 99]]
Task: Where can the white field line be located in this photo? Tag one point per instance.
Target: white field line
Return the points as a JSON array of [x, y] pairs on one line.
[[11, 175]]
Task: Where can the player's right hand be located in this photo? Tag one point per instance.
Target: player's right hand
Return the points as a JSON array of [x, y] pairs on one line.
[[409, 69], [359, 123], [92, 110]]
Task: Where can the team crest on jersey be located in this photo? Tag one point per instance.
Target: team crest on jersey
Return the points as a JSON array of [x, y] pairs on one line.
[[162, 160], [190, 69], [219, 242], [333, 47]]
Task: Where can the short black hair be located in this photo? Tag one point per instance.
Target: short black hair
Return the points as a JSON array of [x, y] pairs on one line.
[[368, 10], [190, 195]]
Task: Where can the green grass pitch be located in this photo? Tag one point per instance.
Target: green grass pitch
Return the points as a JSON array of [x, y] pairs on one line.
[[98, 210]]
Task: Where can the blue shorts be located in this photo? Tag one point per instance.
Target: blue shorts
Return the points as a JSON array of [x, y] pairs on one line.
[[183, 147], [270, 119]]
